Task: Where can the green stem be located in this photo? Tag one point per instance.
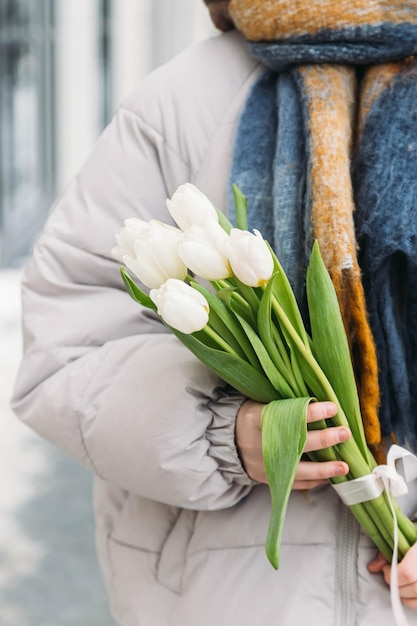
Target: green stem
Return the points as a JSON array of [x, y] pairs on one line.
[[219, 340], [407, 527], [365, 516], [306, 354], [242, 303], [248, 293], [305, 351], [295, 382], [281, 347]]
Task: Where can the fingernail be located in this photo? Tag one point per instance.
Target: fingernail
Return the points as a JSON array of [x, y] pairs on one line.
[[343, 434], [331, 409], [340, 470]]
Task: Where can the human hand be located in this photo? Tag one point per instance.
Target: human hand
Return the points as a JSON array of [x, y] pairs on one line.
[[406, 572], [309, 474]]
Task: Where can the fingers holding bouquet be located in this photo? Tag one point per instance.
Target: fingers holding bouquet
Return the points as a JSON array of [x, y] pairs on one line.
[[309, 474], [406, 575]]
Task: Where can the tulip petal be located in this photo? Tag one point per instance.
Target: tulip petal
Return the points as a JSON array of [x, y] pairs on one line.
[[188, 204], [250, 257], [155, 255], [204, 261], [180, 306]]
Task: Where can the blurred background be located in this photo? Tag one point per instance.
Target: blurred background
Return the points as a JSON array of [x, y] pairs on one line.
[[65, 65]]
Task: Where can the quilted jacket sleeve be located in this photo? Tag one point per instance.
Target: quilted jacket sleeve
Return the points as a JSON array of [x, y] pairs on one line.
[[101, 378]]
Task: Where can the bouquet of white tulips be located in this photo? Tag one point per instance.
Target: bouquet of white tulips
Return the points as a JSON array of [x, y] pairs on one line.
[[248, 329]]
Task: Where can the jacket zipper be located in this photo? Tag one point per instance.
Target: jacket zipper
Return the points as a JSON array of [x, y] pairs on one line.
[[346, 575]]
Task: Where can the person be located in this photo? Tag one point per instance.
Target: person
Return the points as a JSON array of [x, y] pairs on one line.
[[181, 500]]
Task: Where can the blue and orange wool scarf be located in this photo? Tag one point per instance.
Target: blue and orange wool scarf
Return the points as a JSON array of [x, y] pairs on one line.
[[327, 149]]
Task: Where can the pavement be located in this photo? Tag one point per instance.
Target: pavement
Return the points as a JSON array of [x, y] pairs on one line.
[[48, 569]]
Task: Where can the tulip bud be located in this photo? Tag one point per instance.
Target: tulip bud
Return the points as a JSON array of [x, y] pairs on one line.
[[204, 250], [189, 204], [150, 251], [181, 306], [250, 257], [125, 239]]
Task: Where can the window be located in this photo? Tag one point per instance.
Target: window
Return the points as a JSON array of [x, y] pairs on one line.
[[65, 65], [26, 121]]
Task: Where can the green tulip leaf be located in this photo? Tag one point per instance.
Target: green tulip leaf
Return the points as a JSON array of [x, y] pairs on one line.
[[271, 336], [252, 295], [227, 326], [231, 368], [284, 433], [284, 294], [277, 379], [240, 208], [330, 343], [234, 301], [135, 292], [225, 294], [224, 222]]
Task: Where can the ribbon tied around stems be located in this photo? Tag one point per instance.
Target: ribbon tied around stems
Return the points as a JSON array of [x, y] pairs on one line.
[[401, 469]]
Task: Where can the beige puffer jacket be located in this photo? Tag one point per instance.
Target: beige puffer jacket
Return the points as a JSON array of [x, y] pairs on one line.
[[180, 526]]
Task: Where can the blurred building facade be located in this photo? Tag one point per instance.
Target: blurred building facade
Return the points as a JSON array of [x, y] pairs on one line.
[[65, 65]]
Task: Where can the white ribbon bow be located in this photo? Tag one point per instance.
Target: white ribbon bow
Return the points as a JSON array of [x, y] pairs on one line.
[[401, 468]]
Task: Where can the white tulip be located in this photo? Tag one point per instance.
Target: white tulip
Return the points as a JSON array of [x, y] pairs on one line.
[[204, 250], [181, 306], [150, 251], [125, 239], [250, 257], [189, 204]]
